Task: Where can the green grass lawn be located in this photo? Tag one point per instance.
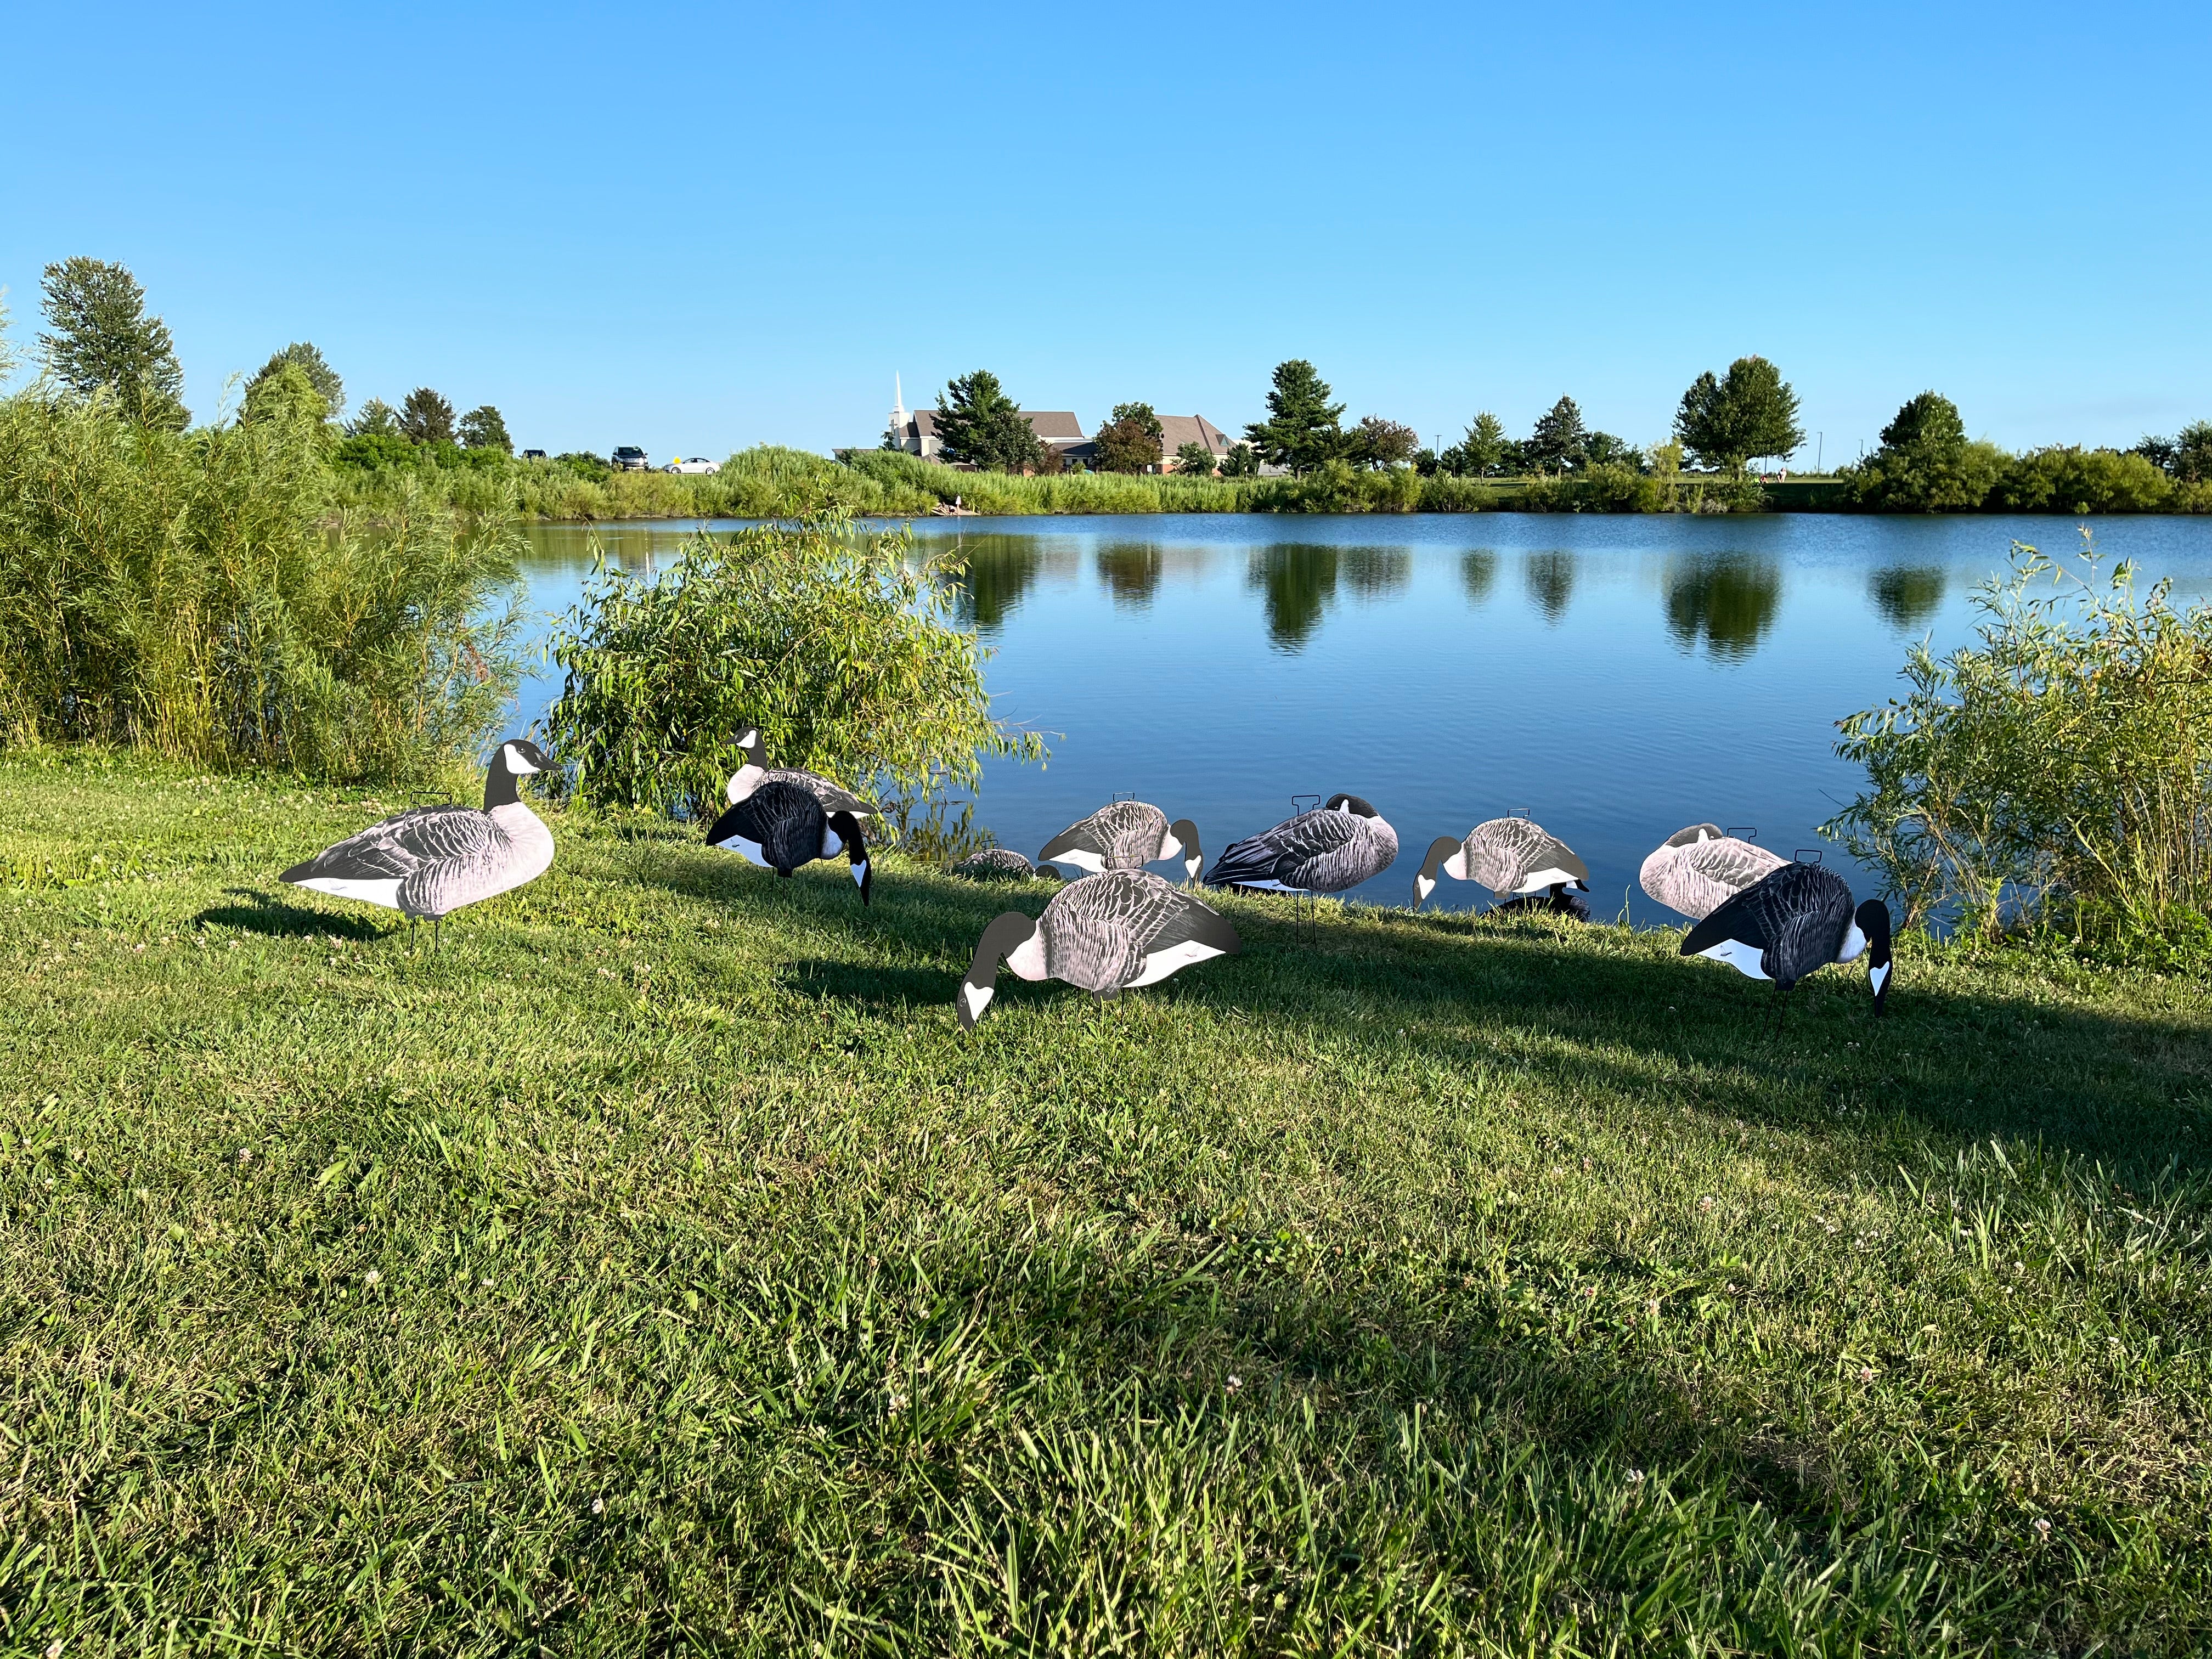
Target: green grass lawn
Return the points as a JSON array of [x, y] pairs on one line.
[[661, 1269]]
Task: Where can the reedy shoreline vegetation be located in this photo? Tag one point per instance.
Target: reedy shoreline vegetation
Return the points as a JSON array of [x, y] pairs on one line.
[[662, 1269]]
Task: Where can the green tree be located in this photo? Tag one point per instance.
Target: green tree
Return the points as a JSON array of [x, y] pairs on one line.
[[482, 427], [1130, 439], [1557, 438], [425, 417], [1380, 444], [285, 393], [2193, 453], [376, 419], [1242, 461], [1725, 421], [7, 346], [980, 425], [837, 646], [1303, 427], [1194, 459], [311, 363], [100, 337], [1481, 452], [1925, 464]]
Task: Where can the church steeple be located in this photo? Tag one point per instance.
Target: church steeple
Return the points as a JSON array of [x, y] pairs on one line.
[[898, 413]]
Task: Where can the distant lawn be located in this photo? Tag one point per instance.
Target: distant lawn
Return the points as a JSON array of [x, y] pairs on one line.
[[661, 1269]]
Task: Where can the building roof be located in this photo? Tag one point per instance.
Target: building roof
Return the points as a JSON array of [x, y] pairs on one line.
[[1053, 425], [1176, 430]]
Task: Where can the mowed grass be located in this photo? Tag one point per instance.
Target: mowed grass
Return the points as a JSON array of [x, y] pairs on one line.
[[661, 1269]]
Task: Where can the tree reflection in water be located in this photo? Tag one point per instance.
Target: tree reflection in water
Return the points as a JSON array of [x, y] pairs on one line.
[[1908, 595], [1299, 580], [1000, 570], [1130, 571], [1551, 581], [1478, 571], [1726, 599], [1373, 572]]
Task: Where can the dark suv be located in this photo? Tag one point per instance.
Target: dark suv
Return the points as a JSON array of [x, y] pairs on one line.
[[628, 457]]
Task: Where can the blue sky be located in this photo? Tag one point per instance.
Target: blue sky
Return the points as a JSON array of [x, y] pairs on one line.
[[701, 228]]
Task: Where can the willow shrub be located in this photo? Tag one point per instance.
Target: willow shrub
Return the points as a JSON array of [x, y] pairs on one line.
[[2055, 773], [835, 644], [193, 593]]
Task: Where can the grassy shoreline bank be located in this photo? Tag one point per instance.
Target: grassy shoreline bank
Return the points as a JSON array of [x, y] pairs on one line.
[[661, 1269]]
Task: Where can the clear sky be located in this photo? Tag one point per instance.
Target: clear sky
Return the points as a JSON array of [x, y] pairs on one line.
[[696, 229]]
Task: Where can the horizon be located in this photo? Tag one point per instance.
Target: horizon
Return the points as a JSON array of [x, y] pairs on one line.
[[1464, 211]]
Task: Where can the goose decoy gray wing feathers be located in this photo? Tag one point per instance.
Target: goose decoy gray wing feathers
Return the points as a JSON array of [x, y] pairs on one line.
[[1514, 855], [1126, 835], [995, 864], [1700, 868], [1325, 851]]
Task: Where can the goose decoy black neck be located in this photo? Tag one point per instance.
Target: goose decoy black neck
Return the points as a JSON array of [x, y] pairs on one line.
[[1871, 923], [518, 757], [1446, 856], [1009, 935], [1182, 837]]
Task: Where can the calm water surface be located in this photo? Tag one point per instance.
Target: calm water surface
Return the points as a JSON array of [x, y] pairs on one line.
[[1616, 678]]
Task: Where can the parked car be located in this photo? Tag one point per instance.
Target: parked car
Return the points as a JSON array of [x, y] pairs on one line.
[[533, 455], [696, 463], [628, 457]]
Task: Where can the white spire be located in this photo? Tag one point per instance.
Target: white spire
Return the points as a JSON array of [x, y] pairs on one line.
[[898, 412]]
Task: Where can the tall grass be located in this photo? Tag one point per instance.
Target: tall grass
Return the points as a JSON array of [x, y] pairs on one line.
[[195, 595], [2058, 773]]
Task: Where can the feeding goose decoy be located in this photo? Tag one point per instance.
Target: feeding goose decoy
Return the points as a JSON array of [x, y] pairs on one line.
[[1517, 860], [1104, 933], [1700, 868], [757, 773], [429, 861], [1334, 847], [781, 826], [1129, 835], [996, 864], [1792, 921]]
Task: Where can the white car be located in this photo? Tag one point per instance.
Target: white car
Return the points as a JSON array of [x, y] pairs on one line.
[[696, 463]]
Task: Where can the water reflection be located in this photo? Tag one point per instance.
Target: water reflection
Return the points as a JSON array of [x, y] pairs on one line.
[[1478, 571], [1727, 600], [1130, 571], [1907, 595], [1551, 581], [1375, 572], [1299, 580], [1000, 570]]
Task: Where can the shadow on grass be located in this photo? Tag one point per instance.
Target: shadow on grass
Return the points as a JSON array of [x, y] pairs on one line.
[[883, 990], [267, 914]]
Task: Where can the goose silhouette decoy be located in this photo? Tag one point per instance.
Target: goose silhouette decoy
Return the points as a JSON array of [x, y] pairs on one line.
[[1126, 835], [1698, 869], [1335, 847], [996, 864], [756, 772], [782, 825], [1104, 933], [1512, 857], [1792, 922], [430, 861]]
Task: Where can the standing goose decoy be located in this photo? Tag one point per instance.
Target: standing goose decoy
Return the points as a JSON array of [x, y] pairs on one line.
[[431, 860], [756, 772], [781, 826], [1513, 858], [1125, 835], [1701, 868], [1104, 933], [1330, 850], [1791, 922]]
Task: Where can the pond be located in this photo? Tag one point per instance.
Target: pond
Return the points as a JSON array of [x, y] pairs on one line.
[[1615, 678]]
